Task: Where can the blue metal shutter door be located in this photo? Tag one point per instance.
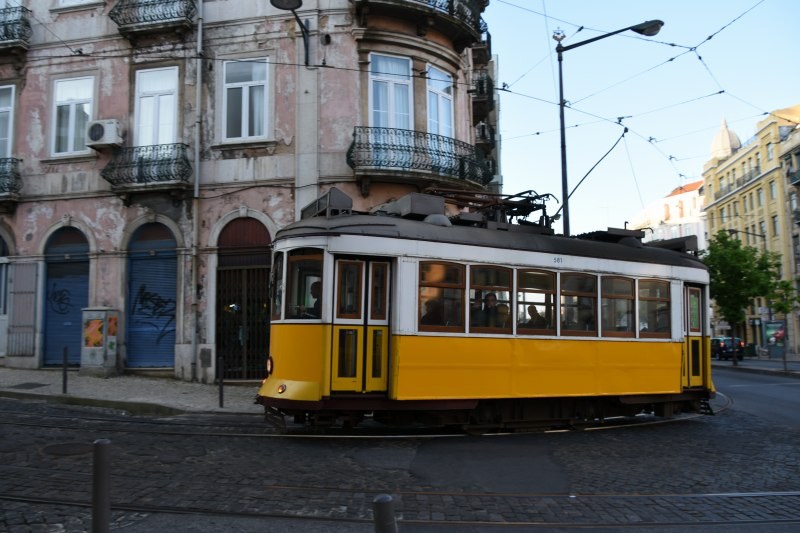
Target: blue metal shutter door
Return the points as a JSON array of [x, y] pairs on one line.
[[151, 310], [66, 294]]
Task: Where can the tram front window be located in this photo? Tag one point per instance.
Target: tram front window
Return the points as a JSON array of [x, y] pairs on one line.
[[304, 284]]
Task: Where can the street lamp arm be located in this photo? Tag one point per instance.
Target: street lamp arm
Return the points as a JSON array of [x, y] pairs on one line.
[[649, 28], [733, 232]]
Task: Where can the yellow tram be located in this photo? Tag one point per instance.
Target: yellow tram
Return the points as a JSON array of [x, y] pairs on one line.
[[411, 316]]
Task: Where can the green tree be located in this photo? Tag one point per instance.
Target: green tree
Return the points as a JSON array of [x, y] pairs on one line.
[[784, 297], [739, 274]]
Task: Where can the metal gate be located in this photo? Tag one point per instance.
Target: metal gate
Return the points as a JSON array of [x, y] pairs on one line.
[[242, 313]]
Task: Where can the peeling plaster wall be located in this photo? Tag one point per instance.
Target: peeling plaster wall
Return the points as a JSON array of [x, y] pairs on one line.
[[313, 115]]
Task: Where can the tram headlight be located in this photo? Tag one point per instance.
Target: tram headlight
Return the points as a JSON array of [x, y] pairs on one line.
[[281, 388], [270, 365]]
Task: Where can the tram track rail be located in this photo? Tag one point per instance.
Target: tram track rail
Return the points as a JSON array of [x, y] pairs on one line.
[[194, 425], [562, 510]]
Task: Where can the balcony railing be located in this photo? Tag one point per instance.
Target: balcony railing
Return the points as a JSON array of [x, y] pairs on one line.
[[408, 150], [794, 177], [10, 184], [15, 28], [482, 50], [461, 19], [10, 180], [482, 94], [152, 16], [162, 166]]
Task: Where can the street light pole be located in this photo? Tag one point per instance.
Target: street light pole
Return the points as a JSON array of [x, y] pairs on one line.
[[648, 29], [293, 5]]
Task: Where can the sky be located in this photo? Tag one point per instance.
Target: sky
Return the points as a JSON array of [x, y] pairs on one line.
[[712, 60]]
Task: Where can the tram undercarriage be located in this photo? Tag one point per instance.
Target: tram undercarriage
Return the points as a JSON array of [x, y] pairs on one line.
[[489, 415]]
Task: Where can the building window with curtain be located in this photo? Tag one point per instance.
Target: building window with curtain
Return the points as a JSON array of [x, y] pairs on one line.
[[71, 114], [390, 94], [156, 106], [440, 102], [245, 99], [6, 119]]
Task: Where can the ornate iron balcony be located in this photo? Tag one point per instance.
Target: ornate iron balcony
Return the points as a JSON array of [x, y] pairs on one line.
[[148, 16], [10, 179], [15, 28], [461, 19], [408, 150], [483, 100], [794, 177], [158, 166]]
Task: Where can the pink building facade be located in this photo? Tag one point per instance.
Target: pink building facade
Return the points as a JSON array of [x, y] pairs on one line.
[[152, 150]]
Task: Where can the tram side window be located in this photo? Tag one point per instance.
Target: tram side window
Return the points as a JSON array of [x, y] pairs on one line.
[[654, 309], [304, 283], [276, 285], [616, 306], [441, 296], [536, 302], [578, 304], [490, 299]]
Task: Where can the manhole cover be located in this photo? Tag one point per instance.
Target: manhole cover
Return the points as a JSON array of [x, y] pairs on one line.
[[28, 386], [68, 448]]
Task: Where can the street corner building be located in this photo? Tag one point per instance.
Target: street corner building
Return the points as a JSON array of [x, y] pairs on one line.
[[150, 151]]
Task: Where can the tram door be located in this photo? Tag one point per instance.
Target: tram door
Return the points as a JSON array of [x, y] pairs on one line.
[[360, 347], [694, 359]]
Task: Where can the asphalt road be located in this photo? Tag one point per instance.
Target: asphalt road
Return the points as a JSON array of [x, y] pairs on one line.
[[767, 397]]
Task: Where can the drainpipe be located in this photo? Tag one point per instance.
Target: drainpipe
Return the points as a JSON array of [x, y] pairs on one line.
[[198, 94]]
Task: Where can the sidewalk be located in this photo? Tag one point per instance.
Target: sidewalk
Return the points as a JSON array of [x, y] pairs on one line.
[[135, 394], [763, 366]]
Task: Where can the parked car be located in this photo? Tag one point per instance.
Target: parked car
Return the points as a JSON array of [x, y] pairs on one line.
[[727, 347]]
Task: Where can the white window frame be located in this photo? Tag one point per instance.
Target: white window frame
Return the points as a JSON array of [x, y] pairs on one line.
[[71, 140], [70, 3], [438, 124], [157, 95], [392, 80], [246, 87], [10, 111]]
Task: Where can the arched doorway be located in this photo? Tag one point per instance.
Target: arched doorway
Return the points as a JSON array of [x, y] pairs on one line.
[[242, 328], [152, 297], [66, 295]]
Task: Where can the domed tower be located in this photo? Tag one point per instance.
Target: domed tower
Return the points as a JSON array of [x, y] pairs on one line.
[[725, 142]]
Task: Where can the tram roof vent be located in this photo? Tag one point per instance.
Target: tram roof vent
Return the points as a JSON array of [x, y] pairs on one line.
[[332, 203], [617, 235], [416, 205], [686, 245]]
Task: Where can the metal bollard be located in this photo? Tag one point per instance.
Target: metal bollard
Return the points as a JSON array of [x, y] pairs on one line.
[[64, 371], [221, 379], [101, 487], [383, 514]]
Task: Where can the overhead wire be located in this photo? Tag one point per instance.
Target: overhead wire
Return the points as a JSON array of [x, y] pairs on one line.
[[688, 49]]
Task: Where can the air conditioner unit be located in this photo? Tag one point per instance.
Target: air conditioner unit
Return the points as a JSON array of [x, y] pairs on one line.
[[107, 132]]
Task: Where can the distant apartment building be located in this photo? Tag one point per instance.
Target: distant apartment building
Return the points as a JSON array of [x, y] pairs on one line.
[[748, 195], [149, 152], [678, 214]]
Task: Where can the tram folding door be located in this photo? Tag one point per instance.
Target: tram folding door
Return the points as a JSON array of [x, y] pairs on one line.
[[694, 334], [360, 344]]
